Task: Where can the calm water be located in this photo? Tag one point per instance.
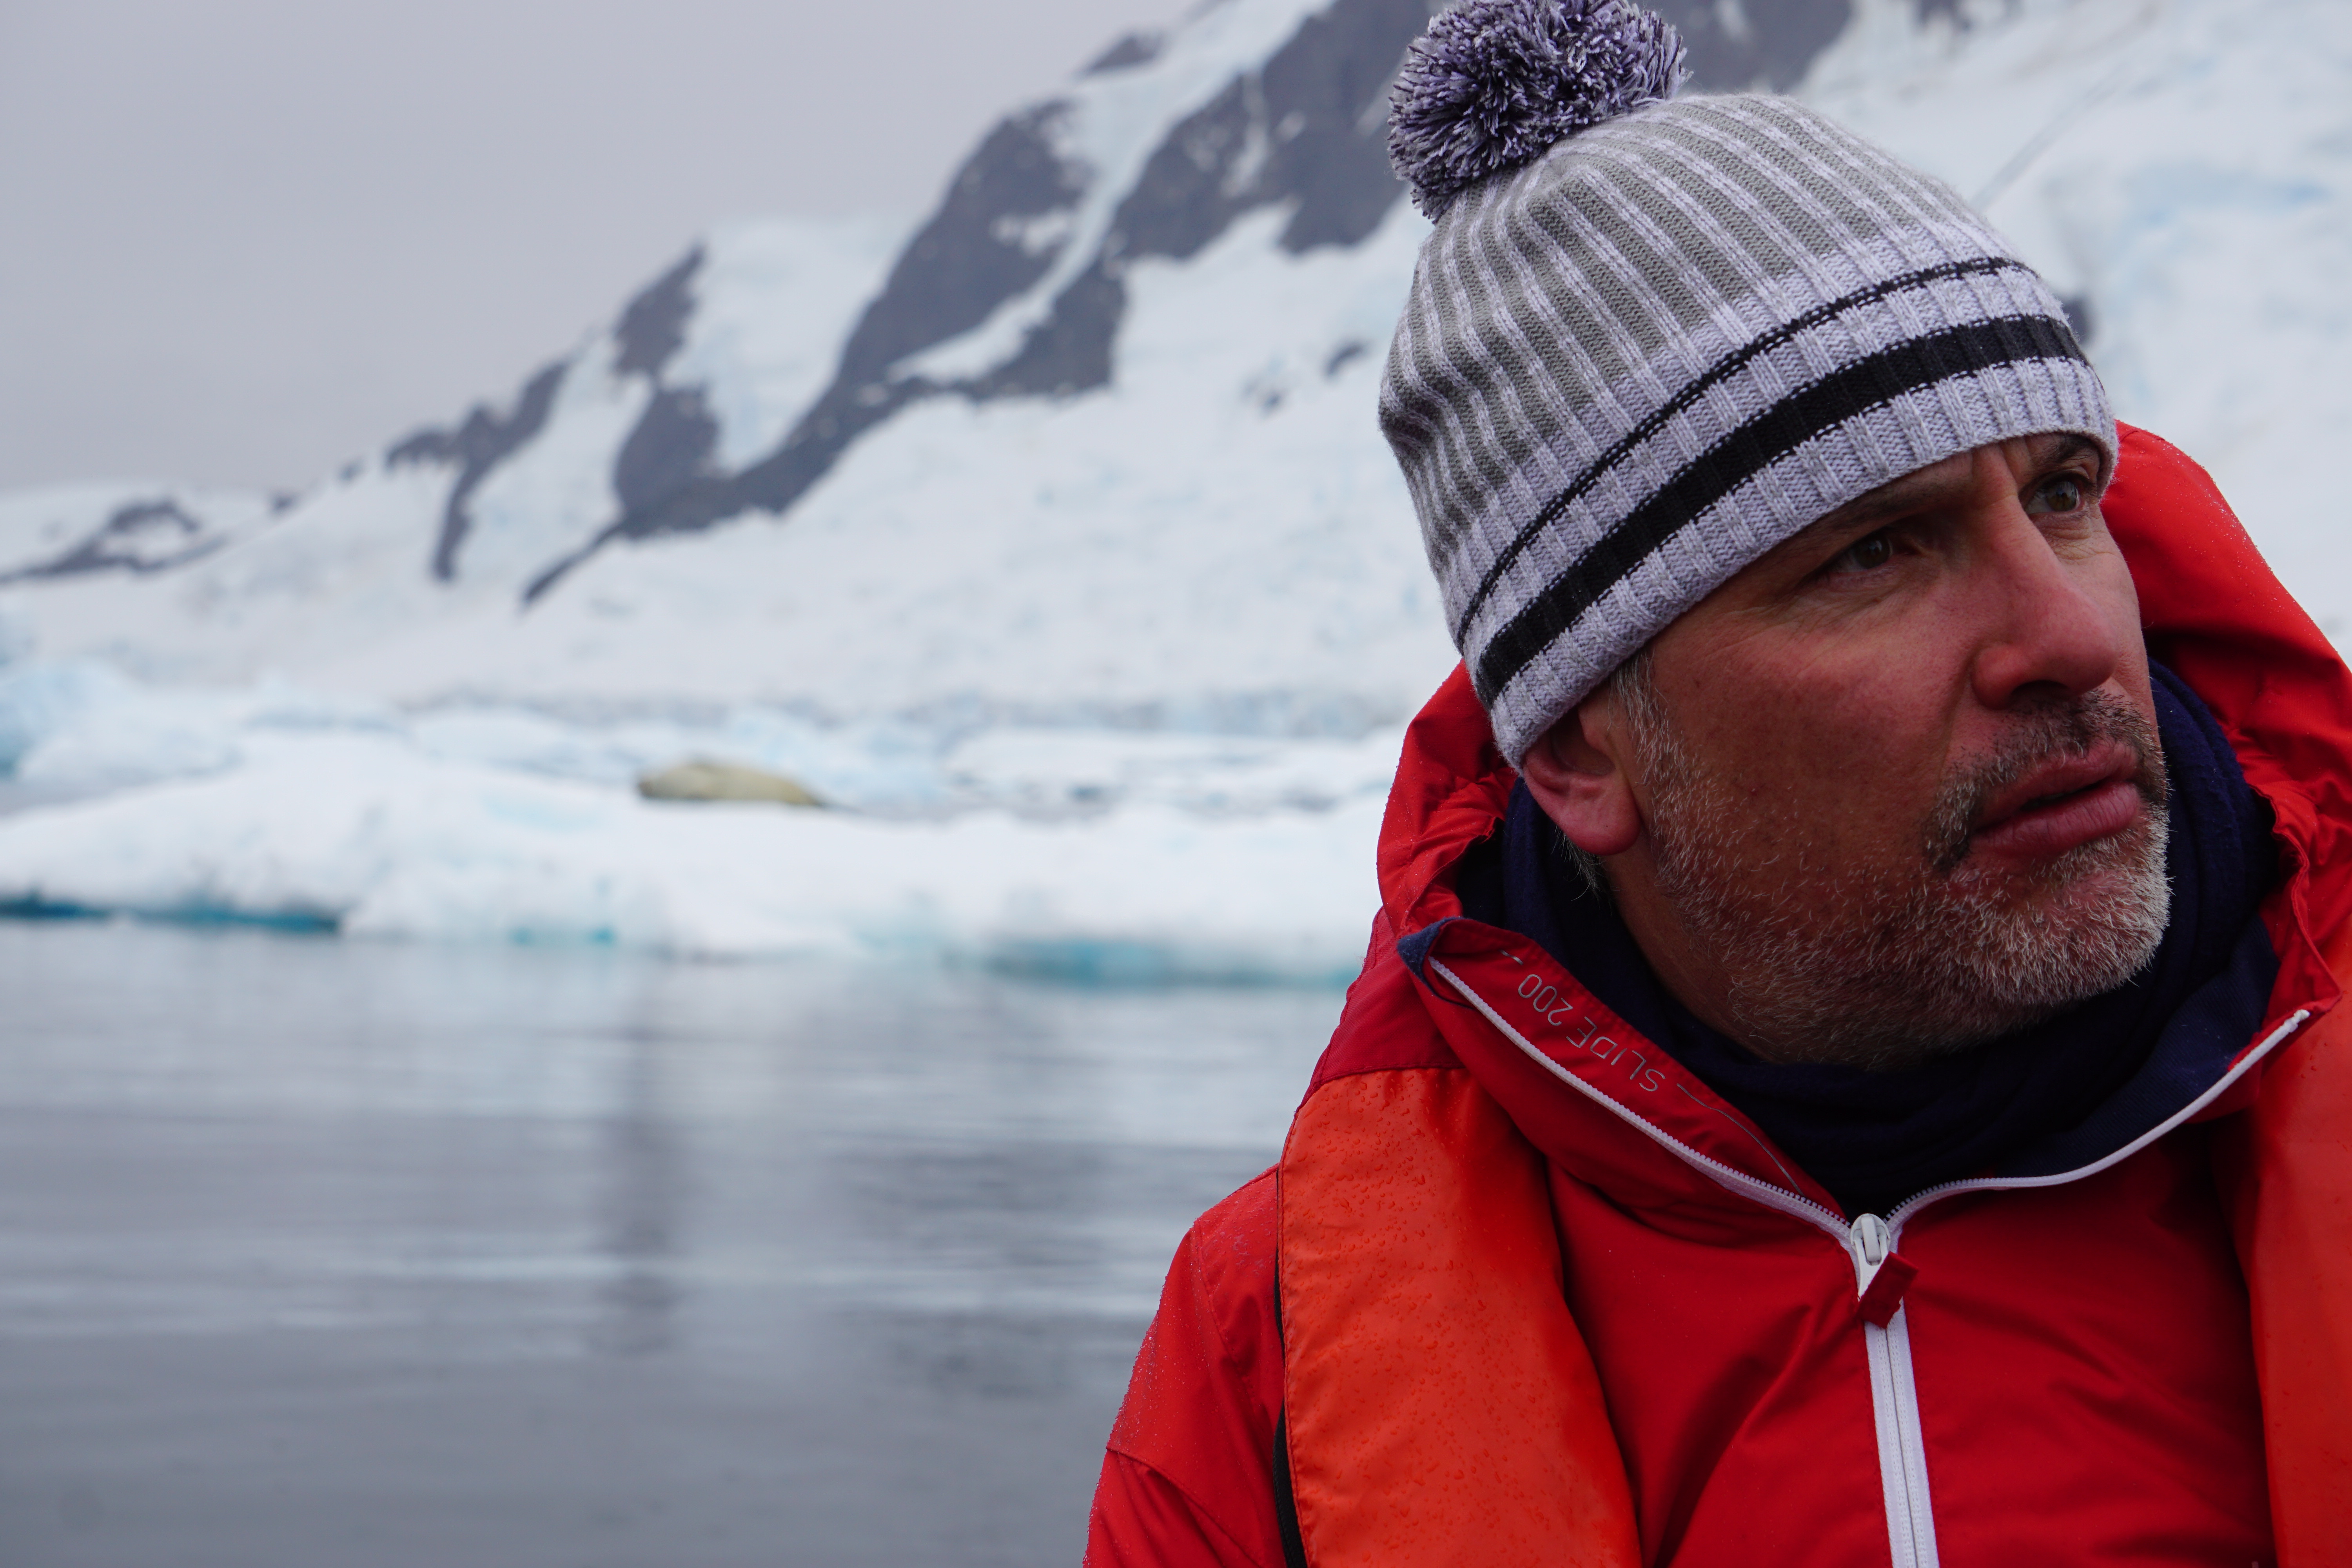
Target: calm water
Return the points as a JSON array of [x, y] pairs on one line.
[[316, 1254]]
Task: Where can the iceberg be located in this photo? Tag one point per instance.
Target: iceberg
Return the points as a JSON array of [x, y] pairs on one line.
[[369, 836]]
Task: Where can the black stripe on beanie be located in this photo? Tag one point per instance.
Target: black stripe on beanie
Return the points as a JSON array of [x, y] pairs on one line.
[[1866, 384], [1716, 374]]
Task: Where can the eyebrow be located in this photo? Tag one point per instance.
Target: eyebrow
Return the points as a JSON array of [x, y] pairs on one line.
[[1902, 495], [1898, 495]]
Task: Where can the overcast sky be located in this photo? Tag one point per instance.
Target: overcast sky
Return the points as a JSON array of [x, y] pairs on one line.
[[241, 241]]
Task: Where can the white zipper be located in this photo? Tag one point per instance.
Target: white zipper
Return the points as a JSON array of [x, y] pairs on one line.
[[1870, 1241], [1902, 1456], [1894, 1409]]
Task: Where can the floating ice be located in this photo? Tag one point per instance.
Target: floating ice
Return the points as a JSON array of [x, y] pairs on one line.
[[369, 836]]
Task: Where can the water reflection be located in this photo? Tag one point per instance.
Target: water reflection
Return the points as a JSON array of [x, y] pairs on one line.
[[639, 1209], [323, 1252]]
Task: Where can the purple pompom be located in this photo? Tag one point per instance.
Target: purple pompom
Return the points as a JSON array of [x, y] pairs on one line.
[[1493, 83]]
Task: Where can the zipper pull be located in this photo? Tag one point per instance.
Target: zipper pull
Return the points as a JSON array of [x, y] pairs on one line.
[[1880, 1276], [1870, 1241]]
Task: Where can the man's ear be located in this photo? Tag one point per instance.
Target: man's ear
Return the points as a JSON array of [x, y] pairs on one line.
[[1577, 772]]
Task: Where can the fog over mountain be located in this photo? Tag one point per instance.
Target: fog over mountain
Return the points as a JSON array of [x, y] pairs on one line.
[[1064, 508]]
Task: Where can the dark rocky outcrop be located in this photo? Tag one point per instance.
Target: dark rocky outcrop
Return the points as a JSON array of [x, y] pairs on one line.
[[141, 537], [476, 447], [1305, 129], [654, 326], [1139, 48], [670, 448]]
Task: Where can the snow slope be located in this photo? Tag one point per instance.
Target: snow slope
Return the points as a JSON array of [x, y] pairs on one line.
[[1055, 526]]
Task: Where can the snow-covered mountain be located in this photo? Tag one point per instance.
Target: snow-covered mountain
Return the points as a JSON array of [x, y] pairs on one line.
[[1060, 514]]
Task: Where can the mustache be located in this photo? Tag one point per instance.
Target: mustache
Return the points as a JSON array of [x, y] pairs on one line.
[[2043, 734]]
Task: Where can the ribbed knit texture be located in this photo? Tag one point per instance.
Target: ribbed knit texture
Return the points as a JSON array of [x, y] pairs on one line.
[[1631, 367]]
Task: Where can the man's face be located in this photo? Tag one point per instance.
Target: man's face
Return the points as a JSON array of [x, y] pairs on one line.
[[1899, 782]]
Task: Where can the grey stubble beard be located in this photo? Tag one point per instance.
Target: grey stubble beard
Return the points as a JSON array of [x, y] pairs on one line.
[[1889, 968]]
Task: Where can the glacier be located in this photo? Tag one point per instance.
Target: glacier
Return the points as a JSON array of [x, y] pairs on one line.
[[1049, 538]]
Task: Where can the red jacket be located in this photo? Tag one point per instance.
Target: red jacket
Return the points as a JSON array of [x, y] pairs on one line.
[[1544, 1297]]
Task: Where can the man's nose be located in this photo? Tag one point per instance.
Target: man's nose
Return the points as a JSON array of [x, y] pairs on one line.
[[2050, 631]]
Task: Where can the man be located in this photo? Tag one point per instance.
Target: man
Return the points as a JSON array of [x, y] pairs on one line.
[[1846, 1068]]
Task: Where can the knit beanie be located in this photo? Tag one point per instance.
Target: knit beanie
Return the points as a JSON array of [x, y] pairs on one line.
[[1651, 338]]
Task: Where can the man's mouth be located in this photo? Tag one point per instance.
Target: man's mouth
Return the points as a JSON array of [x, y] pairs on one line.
[[2061, 805]]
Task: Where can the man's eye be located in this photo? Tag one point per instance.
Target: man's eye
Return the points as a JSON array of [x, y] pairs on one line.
[[2060, 493], [1865, 554]]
